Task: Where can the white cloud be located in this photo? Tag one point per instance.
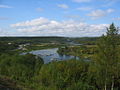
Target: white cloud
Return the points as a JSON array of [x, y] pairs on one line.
[[68, 28], [110, 10], [84, 8], [3, 32], [99, 13], [33, 22], [64, 6], [5, 6], [81, 1]]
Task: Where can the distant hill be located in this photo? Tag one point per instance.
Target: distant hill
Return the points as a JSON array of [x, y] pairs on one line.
[[84, 40]]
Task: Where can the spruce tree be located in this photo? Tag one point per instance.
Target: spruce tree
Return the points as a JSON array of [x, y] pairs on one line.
[[107, 60]]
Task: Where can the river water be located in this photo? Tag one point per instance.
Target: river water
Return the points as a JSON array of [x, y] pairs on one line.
[[49, 55]]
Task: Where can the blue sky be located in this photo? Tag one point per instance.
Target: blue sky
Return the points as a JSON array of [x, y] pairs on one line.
[[75, 18]]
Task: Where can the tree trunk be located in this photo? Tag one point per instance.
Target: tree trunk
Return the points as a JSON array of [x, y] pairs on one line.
[[106, 78], [105, 86], [112, 87]]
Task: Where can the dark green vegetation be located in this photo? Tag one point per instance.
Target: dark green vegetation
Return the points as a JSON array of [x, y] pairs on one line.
[[82, 51], [20, 68], [108, 59], [28, 72], [56, 40], [86, 40], [33, 40], [42, 46]]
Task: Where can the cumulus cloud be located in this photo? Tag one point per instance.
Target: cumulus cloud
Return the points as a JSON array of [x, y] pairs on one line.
[[64, 6], [81, 1], [34, 22], [100, 13], [45, 27], [5, 6]]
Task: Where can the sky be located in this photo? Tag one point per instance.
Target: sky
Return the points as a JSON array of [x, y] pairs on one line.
[[69, 18]]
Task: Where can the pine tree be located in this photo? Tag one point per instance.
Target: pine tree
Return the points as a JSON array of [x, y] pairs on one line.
[[107, 59]]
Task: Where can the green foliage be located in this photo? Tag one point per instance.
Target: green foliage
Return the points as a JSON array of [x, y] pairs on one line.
[[65, 75], [21, 68], [5, 47], [86, 40], [82, 51], [81, 86], [108, 59], [33, 40]]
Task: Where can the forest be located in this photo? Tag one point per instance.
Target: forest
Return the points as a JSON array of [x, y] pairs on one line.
[[98, 67]]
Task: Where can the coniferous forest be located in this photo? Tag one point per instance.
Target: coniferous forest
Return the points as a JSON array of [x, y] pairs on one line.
[[97, 66]]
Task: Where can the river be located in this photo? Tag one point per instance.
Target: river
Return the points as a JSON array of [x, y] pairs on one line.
[[49, 55]]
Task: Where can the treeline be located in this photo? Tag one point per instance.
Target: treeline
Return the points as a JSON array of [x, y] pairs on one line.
[[60, 40], [86, 40], [33, 40]]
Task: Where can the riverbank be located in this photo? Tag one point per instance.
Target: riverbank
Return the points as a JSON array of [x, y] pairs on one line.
[[83, 51]]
